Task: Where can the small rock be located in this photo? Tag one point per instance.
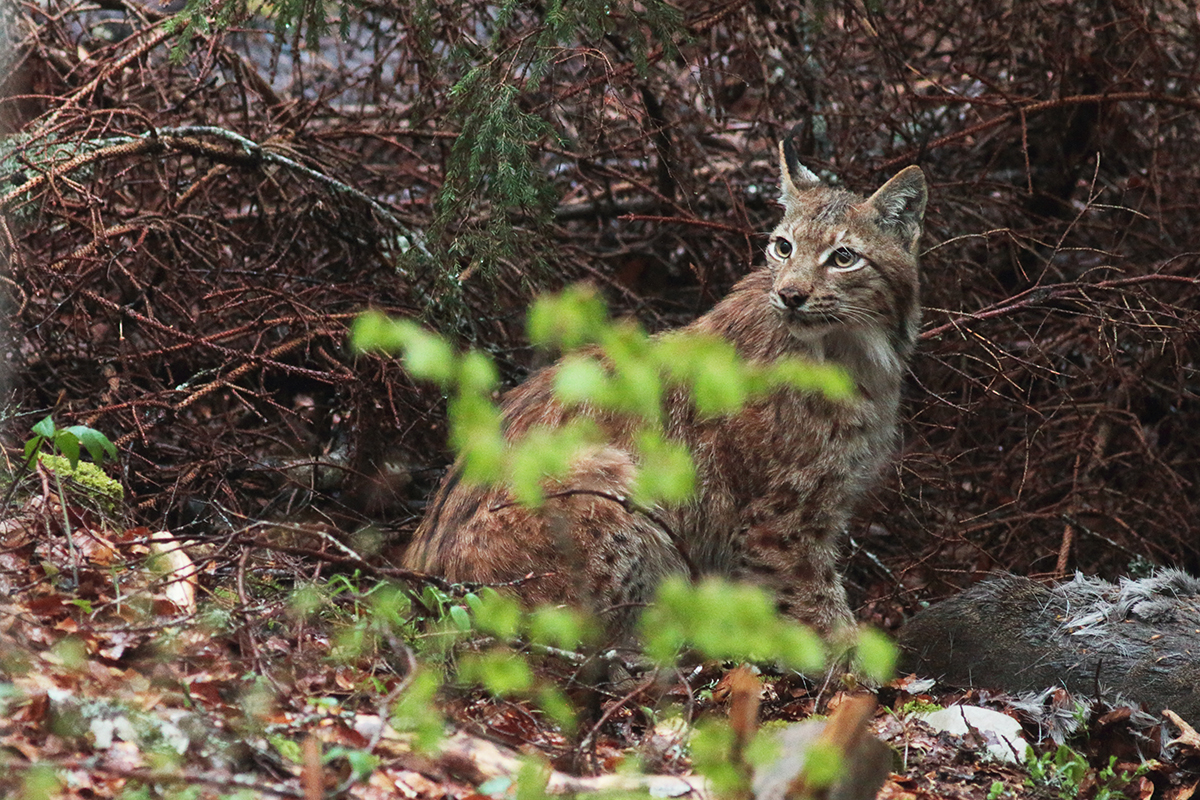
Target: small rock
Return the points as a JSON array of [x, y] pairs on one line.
[[1000, 733]]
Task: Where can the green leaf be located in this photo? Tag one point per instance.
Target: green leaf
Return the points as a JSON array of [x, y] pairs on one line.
[[460, 618], [72, 653], [822, 764], [473, 602], [416, 710], [434, 599], [666, 474], [567, 320], [557, 706], [500, 671], [391, 605], [639, 391], [41, 782], [98, 445], [84, 605], [350, 643], [709, 367], [362, 763], [558, 626], [32, 446], [546, 454], [662, 625], [800, 648], [498, 614], [477, 374], [305, 600], [807, 376], [67, 443], [582, 379], [720, 388], [637, 384], [45, 428], [477, 437], [428, 356], [532, 779], [374, 330], [876, 655], [765, 748], [727, 621], [711, 745]]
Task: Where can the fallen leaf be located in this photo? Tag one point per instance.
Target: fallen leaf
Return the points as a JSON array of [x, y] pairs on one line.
[[1183, 792], [177, 569], [1188, 738]]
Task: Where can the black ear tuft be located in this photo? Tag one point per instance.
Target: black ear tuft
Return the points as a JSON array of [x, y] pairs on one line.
[[794, 177], [791, 159]]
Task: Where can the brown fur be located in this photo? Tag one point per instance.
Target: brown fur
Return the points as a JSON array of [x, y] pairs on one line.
[[777, 482]]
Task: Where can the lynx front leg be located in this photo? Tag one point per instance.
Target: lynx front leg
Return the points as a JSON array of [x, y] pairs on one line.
[[801, 568], [629, 557]]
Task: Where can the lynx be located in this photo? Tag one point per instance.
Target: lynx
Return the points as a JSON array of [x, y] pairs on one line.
[[776, 482]]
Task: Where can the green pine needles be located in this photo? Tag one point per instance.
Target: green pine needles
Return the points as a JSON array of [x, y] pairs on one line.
[[491, 69], [496, 192], [308, 19]]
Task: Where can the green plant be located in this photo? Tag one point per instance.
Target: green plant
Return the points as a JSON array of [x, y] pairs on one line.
[[610, 366], [711, 743], [415, 711], [1064, 770], [495, 189], [41, 781], [1112, 784], [1060, 771], [503, 667], [63, 458], [67, 442], [361, 763], [722, 620], [915, 706]]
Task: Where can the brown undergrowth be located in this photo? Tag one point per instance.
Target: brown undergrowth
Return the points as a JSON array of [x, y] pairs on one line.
[[189, 239]]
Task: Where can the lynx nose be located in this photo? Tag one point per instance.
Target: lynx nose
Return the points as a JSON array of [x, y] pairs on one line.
[[792, 297]]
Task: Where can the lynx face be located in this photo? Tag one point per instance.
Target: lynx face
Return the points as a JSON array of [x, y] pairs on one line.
[[841, 262]]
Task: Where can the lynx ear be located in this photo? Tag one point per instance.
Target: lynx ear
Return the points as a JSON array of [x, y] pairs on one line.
[[900, 204], [794, 177]]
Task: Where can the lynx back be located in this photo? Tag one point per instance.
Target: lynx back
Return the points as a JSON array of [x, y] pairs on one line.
[[777, 482]]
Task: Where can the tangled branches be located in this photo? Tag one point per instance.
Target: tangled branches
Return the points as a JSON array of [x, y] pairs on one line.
[[189, 238]]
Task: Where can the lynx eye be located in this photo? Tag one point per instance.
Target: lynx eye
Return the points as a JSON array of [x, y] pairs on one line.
[[845, 259], [780, 247]]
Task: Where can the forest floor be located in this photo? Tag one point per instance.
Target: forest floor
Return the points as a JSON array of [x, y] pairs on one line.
[[127, 679]]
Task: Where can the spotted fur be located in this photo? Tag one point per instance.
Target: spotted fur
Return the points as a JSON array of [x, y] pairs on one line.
[[778, 481]]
